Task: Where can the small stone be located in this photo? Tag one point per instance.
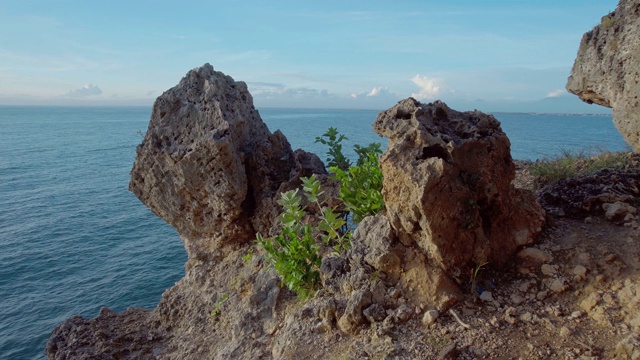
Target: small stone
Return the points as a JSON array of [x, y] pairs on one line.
[[526, 317], [525, 286], [588, 220], [486, 296], [580, 271], [509, 315], [549, 270], [374, 313], [542, 295], [516, 299], [564, 331], [576, 314], [557, 286], [430, 317], [494, 321], [403, 313], [395, 293]]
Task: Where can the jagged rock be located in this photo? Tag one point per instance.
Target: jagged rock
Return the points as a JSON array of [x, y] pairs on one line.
[[353, 317], [208, 165], [618, 210], [129, 335], [585, 195], [447, 186], [607, 68]]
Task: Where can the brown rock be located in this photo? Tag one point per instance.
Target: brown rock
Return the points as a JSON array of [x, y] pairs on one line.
[[208, 162], [447, 186], [607, 68]]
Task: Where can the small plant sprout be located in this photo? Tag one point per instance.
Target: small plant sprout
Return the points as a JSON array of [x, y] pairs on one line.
[[246, 259], [218, 305], [474, 276]]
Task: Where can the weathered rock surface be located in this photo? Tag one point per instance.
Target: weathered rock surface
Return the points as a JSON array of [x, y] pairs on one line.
[[594, 194], [208, 165], [607, 68], [447, 186]]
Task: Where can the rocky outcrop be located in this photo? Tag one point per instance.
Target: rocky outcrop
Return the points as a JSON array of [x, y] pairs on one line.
[[209, 166], [607, 68], [447, 187]]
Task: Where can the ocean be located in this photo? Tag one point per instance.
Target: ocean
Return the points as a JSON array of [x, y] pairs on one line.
[[73, 238]]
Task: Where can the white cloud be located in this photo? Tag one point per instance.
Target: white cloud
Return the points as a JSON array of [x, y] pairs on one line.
[[377, 91], [557, 93], [429, 87], [85, 91]]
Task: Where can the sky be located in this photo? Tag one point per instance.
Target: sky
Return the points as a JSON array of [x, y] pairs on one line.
[[491, 55]]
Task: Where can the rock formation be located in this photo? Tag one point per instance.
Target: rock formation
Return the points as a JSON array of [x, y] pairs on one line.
[[210, 167], [607, 68], [447, 186]]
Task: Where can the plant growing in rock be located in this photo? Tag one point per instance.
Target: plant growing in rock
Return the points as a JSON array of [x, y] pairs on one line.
[[361, 187], [360, 184], [294, 253], [218, 305], [335, 156]]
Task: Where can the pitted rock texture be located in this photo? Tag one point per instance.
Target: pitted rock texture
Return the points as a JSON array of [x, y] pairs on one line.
[[447, 186], [591, 194], [208, 165], [607, 68]]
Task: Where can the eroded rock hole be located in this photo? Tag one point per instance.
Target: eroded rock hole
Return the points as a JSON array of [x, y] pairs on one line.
[[435, 151]]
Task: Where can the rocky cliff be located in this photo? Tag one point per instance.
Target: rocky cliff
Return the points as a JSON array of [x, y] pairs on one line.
[[209, 166], [607, 68]]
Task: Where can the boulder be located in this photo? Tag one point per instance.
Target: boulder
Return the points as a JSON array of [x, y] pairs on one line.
[[447, 187], [208, 165], [607, 68]]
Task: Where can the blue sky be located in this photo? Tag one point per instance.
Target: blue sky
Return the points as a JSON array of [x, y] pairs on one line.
[[491, 55]]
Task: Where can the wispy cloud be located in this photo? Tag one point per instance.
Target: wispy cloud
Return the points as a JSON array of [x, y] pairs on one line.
[[378, 91], [85, 91], [557, 93], [429, 87]]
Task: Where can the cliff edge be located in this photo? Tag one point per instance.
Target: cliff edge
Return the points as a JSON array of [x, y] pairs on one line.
[[607, 68]]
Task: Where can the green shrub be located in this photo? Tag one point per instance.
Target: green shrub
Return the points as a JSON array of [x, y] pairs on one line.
[[294, 253], [360, 184], [335, 156], [361, 187]]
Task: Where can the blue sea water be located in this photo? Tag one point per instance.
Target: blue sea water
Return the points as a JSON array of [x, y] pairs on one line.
[[73, 239]]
